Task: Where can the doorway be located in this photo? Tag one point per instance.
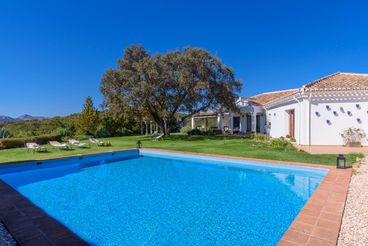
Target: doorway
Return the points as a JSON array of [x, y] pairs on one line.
[[292, 124], [249, 123], [258, 123]]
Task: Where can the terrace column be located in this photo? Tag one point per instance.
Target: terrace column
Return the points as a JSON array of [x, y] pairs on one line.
[[146, 128], [219, 122], [193, 123], [231, 122], [241, 123], [206, 124], [254, 121], [151, 127]]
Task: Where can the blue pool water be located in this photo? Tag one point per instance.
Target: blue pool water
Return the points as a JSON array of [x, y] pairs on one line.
[[153, 198]]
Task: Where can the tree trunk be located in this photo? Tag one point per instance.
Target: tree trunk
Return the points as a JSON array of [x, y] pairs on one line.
[[167, 129], [164, 128]]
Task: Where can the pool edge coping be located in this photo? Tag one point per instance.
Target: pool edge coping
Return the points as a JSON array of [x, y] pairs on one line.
[[244, 158], [319, 221], [28, 224]]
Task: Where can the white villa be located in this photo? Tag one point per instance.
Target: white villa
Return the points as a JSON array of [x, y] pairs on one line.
[[315, 114]]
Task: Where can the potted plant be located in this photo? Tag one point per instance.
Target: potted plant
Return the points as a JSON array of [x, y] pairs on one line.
[[353, 137]]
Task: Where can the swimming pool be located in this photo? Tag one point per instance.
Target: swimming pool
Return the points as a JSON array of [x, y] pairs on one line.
[[159, 198]]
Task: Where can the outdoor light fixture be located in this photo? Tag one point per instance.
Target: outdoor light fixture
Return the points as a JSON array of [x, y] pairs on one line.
[[341, 161], [335, 113], [328, 107], [318, 114], [139, 144], [358, 106], [349, 113], [342, 110], [359, 120], [328, 122]]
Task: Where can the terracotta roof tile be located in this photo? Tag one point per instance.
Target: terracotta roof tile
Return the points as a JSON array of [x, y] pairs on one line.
[[339, 81], [268, 97]]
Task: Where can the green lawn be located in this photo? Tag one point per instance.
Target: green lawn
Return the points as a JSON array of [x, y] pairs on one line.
[[202, 144]]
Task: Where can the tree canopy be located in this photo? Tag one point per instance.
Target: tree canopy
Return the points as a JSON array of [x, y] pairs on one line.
[[160, 86], [88, 119]]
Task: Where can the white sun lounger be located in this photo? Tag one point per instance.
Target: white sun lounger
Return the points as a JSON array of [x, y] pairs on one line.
[[56, 144], [96, 141], [35, 147], [99, 142], [159, 137], [77, 143]]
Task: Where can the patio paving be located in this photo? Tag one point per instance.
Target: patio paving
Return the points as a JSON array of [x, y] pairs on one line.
[[328, 149]]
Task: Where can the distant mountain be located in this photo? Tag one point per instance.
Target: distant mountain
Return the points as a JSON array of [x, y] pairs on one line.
[[29, 117], [4, 118]]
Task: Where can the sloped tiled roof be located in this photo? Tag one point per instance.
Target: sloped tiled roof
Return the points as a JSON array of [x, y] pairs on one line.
[[268, 97], [339, 81], [205, 114]]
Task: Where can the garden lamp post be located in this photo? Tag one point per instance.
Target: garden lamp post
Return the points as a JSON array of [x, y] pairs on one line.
[[341, 161]]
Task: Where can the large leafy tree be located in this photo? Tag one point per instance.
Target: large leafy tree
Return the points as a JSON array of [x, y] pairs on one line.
[[160, 86], [87, 121]]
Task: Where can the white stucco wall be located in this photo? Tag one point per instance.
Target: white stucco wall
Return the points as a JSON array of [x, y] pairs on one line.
[[312, 116], [279, 118], [323, 133]]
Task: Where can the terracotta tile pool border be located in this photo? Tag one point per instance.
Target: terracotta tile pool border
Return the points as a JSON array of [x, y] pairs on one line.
[[30, 225], [318, 223]]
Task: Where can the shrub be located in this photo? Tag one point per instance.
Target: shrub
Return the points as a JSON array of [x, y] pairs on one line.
[[353, 136], [126, 132], [194, 132], [207, 133], [262, 137], [102, 132], [9, 143], [185, 129], [82, 137], [64, 132], [4, 133], [280, 143]]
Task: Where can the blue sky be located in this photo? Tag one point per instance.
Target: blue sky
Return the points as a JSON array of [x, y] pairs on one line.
[[54, 53]]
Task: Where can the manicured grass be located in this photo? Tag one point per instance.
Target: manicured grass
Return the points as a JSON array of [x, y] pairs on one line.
[[202, 144]]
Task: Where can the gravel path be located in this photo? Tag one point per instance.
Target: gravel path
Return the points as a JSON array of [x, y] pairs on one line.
[[354, 228], [5, 238]]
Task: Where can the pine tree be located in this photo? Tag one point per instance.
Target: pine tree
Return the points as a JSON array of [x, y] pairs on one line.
[[88, 118]]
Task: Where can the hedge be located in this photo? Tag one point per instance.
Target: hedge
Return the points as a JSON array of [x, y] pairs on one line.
[[9, 143]]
